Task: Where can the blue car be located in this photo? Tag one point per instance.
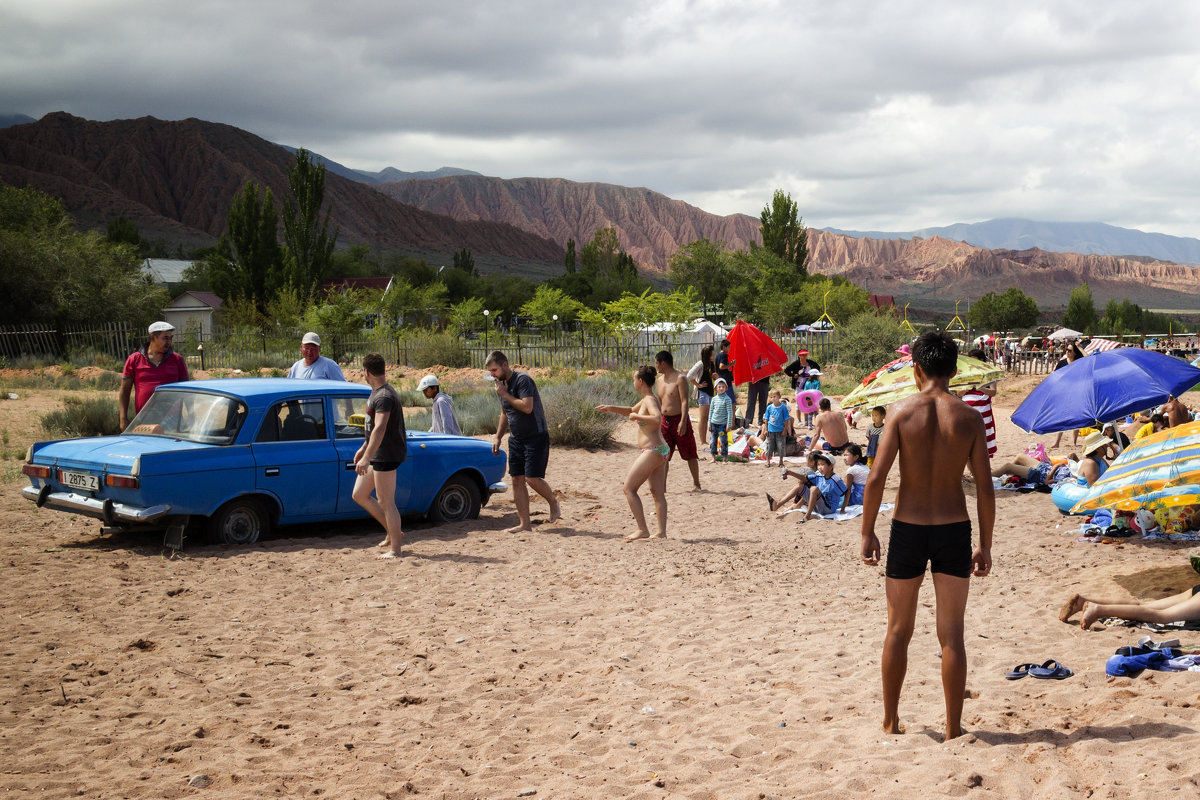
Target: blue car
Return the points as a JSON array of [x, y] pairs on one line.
[[239, 455]]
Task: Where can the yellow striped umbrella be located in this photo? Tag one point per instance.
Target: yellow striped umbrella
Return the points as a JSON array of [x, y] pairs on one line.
[[896, 380], [1160, 471]]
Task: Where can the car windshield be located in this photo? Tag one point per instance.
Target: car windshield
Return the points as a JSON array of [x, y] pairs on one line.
[[191, 416]]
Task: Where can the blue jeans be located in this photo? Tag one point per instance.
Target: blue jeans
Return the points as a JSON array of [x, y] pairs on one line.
[[716, 432]]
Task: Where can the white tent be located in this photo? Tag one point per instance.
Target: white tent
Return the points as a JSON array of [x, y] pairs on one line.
[[1064, 333]]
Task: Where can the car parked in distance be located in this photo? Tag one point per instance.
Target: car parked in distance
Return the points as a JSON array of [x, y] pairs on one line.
[[239, 455]]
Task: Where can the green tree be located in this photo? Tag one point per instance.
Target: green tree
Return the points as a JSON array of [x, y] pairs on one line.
[[50, 273], [504, 293], [467, 316], [122, 231], [548, 301], [466, 262], [306, 234], [248, 261], [869, 340], [1004, 312], [569, 260], [783, 231], [706, 267], [341, 315], [1081, 310]]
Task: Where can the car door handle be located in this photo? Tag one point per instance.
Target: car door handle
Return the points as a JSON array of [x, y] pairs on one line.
[[349, 465], [271, 472]]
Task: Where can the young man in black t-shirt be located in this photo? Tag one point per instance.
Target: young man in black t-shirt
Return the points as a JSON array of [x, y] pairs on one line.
[[384, 449], [528, 442]]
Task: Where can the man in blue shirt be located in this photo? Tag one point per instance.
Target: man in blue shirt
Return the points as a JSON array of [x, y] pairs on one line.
[[313, 364]]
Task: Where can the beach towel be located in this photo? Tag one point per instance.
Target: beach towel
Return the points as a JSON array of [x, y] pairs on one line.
[[850, 513]]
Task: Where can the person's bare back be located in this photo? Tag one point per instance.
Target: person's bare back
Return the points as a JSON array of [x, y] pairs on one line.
[[936, 432], [831, 425]]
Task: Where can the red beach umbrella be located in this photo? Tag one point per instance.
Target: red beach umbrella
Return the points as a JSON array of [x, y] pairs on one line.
[[752, 354]]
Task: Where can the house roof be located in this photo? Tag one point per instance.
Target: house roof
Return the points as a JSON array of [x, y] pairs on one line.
[[165, 270], [195, 300]]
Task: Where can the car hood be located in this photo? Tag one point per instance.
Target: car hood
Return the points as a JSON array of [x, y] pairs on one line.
[[111, 451]]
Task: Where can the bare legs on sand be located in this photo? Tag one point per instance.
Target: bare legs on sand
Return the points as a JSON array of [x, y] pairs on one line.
[[648, 466], [383, 509], [521, 487], [1176, 608], [951, 599]]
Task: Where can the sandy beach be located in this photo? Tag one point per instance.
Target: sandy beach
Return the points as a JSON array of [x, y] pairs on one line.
[[737, 659]]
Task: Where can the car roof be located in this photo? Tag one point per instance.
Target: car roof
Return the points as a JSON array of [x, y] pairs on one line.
[[269, 389]]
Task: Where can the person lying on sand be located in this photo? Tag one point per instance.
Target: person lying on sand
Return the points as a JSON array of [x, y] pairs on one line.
[[1182, 607]]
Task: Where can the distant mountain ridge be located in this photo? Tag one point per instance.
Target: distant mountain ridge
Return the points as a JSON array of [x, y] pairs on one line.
[[1087, 238], [385, 175], [177, 179]]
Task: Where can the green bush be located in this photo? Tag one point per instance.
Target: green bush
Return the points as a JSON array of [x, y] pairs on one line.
[[410, 398], [428, 349], [108, 381], [91, 357], [417, 420], [477, 414], [869, 341], [93, 416], [571, 414]]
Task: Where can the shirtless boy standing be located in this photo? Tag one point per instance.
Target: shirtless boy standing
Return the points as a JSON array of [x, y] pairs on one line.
[[673, 391], [936, 436]]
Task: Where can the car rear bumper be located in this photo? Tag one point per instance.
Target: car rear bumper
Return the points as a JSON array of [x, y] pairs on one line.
[[105, 510], [497, 488]]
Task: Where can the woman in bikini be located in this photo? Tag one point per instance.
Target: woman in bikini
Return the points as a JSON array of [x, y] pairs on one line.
[[653, 455]]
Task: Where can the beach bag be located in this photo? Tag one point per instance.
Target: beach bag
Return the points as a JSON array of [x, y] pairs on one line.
[[741, 447], [1037, 451], [1178, 519]]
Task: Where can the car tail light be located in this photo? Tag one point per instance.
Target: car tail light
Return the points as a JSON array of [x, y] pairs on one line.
[[121, 481], [35, 471]]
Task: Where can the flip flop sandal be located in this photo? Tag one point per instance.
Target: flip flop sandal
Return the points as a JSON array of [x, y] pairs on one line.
[[1051, 670], [1020, 671]]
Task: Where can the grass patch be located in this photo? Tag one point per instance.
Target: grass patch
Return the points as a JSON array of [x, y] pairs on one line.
[[438, 348], [571, 415], [95, 416]]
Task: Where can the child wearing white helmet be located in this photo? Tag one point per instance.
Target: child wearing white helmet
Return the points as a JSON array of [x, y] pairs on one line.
[[442, 419]]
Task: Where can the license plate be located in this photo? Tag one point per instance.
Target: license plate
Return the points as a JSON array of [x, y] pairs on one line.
[[81, 480]]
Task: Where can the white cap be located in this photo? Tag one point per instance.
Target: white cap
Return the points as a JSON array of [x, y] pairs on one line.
[[311, 338], [159, 327], [815, 372], [426, 382]]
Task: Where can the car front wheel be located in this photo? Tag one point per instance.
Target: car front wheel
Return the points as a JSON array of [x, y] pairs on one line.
[[458, 500], [239, 521]]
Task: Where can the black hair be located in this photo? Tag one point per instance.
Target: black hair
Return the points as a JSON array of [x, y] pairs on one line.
[[497, 357], [665, 357], [854, 450], [647, 374], [724, 344], [706, 354], [936, 354], [881, 409], [977, 354], [825, 405], [374, 364]]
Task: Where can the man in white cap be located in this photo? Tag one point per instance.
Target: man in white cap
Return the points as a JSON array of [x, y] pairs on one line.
[[313, 364], [442, 419], [152, 366]]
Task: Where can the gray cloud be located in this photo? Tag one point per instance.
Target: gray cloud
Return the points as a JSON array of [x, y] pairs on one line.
[[873, 115]]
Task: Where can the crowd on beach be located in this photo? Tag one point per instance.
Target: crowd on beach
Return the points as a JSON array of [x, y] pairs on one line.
[[942, 440]]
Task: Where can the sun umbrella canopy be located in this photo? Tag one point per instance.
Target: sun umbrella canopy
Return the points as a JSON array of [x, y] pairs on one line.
[[1064, 333], [752, 354], [1102, 388], [1099, 346], [1162, 470], [896, 380]]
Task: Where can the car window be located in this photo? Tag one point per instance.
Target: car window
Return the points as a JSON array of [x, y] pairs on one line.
[[294, 421], [190, 416], [349, 417]]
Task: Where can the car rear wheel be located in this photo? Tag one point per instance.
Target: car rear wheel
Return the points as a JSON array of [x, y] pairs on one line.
[[239, 521], [458, 500]]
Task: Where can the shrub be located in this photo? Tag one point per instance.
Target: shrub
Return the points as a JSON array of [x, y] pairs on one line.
[[410, 398], [571, 414], [431, 348], [108, 381], [477, 414], [868, 341], [93, 416], [417, 420]]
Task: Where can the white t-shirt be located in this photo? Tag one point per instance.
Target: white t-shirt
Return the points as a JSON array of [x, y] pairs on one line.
[[321, 368]]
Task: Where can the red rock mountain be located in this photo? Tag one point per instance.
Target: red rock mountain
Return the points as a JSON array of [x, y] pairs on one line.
[[932, 273], [176, 180]]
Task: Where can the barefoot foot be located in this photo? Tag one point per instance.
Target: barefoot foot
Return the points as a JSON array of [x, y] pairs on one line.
[[555, 511], [519, 529], [388, 555], [1091, 613], [633, 537], [1072, 607], [893, 727]]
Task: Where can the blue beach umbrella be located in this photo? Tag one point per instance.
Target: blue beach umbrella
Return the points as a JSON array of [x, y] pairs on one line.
[[1103, 387]]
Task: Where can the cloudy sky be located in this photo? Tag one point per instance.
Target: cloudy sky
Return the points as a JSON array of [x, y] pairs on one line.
[[889, 115]]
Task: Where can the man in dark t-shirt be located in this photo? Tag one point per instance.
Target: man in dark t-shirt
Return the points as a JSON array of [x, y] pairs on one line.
[[528, 441], [384, 449]]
